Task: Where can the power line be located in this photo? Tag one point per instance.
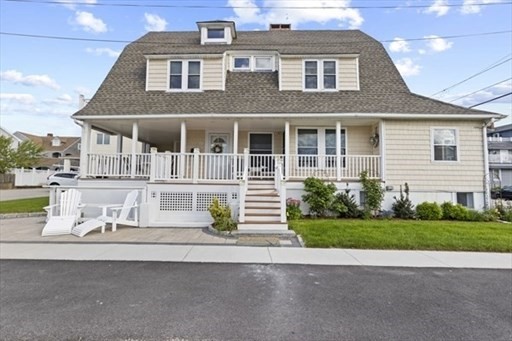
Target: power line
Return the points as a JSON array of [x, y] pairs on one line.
[[251, 44], [474, 92], [55, 2], [492, 66], [490, 100]]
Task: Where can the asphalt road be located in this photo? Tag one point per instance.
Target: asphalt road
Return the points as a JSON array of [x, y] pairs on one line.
[[23, 193], [56, 300]]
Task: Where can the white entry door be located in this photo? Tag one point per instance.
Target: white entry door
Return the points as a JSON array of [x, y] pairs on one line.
[[218, 163]]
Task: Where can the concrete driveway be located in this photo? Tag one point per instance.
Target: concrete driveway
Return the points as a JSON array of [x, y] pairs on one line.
[[23, 193]]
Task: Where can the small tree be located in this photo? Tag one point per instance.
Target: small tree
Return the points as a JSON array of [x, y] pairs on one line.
[[27, 154], [403, 207], [349, 202], [374, 194], [319, 196]]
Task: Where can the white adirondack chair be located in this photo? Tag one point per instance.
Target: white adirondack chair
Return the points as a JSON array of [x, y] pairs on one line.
[[64, 216], [120, 213]]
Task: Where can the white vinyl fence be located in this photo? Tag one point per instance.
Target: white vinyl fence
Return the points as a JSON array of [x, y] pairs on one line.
[[30, 177]]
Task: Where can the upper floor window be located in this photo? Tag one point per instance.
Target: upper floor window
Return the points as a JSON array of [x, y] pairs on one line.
[[185, 75], [215, 33], [444, 144], [253, 63], [320, 75], [102, 138]]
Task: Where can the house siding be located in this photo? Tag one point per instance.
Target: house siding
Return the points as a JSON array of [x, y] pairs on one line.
[[212, 74], [291, 73], [348, 74], [157, 75], [408, 157]]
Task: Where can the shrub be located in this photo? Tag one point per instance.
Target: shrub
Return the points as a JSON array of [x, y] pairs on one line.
[[504, 211], [221, 215], [374, 194], [403, 207], [485, 216], [429, 211], [319, 196], [293, 211], [454, 212], [349, 202]]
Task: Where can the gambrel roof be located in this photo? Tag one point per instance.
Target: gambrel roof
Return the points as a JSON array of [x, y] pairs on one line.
[[382, 89]]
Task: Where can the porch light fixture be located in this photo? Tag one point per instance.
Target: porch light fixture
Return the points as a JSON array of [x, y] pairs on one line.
[[374, 140]]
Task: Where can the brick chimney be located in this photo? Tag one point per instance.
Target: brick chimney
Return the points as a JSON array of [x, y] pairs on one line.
[[49, 135], [280, 27]]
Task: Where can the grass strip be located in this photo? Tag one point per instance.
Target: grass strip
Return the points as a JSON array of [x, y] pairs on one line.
[[23, 205], [405, 235]]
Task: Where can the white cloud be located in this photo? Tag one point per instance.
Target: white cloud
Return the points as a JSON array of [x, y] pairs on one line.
[[399, 45], [17, 77], [407, 68], [437, 44], [89, 22], [63, 99], [438, 7], [248, 12], [18, 98], [484, 95], [472, 7], [154, 22], [99, 51]]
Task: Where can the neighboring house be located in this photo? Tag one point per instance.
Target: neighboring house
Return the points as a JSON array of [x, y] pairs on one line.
[[15, 140], [55, 149], [226, 110], [500, 155]]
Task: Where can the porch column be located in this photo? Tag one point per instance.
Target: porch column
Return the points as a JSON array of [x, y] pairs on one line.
[[287, 165], [84, 149], [135, 138], [338, 150], [382, 149], [119, 144], [183, 148], [235, 150]]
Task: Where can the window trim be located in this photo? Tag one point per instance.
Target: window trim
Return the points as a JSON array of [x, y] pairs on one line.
[[320, 75], [321, 146], [215, 40], [103, 137], [432, 149], [245, 69], [272, 64], [184, 75], [252, 63]]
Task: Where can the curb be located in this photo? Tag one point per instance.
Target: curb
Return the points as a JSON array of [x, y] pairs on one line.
[[22, 215]]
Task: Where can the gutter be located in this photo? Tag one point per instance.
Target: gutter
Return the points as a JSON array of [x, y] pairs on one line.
[[487, 176]]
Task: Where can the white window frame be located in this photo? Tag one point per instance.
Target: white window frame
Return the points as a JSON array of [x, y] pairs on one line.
[[252, 63], [321, 146], [320, 75], [241, 69], [101, 137], [215, 40], [432, 149], [184, 75]]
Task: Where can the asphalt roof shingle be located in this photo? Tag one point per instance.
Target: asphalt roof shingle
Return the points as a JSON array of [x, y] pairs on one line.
[[382, 89]]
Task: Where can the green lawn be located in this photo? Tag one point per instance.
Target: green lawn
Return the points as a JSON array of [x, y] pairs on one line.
[[405, 235], [23, 205]]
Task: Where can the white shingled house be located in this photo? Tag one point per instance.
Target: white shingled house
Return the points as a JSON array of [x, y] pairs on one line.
[[247, 116]]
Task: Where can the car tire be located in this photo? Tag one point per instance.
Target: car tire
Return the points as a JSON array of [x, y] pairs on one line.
[[54, 184]]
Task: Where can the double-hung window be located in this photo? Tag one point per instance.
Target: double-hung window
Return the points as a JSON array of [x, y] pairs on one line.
[[444, 144], [102, 138], [317, 147], [320, 75], [185, 75]]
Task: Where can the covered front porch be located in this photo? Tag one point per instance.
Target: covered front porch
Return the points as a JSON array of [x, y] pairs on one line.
[[251, 164]]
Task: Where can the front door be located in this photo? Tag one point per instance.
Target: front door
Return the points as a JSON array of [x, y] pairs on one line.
[[261, 158], [218, 162]]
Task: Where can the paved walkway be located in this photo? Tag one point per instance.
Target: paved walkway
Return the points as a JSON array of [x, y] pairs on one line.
[[23, 193], [20, 239]]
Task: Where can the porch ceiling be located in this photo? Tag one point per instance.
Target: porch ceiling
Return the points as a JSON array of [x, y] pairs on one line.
[[161, 131]]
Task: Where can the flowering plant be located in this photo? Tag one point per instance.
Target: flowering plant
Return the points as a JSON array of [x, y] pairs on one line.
[[293, 211]]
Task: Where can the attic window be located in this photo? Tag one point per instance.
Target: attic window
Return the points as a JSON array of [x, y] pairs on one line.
[[215, 33], [55, 142]]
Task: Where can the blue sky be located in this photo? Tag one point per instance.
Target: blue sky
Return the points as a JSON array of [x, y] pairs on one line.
[[40, 79]]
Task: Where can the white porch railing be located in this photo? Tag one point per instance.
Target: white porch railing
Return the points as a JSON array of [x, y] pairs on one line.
[[206, 167], [280, 187]]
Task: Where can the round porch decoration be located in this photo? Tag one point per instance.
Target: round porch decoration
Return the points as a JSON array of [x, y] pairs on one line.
[[374, 140], [217, 148]]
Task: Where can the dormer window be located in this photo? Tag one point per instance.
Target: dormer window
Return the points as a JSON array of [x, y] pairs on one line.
[[253, 63], [215, 33], [55, 142], [185, 75], [320, 75]]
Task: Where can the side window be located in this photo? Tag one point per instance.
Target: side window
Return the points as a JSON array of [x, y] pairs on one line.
[[465, 199], [444, 144]]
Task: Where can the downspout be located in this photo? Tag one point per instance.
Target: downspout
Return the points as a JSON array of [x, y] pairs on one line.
[[487, 190]]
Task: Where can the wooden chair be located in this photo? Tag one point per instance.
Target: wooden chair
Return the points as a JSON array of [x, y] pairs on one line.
[[120, 213], [64, 216]]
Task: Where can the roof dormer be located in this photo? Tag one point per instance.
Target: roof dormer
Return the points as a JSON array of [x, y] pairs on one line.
[[217, 32]]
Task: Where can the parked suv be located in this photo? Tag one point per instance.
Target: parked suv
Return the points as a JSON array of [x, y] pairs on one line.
[[63, 179]]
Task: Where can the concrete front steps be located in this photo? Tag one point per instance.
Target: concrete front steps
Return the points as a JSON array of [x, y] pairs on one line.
[[262, 209]]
